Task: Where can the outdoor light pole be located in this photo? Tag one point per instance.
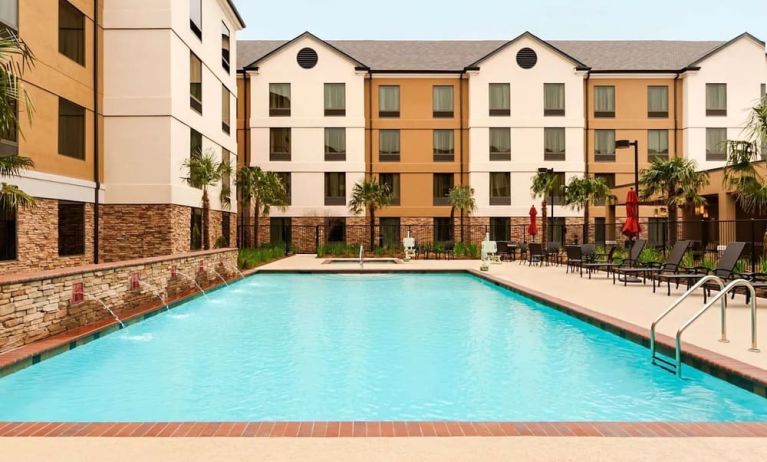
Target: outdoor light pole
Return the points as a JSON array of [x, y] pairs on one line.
[[626, 144]]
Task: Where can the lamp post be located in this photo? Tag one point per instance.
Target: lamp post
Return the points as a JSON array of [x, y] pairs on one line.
[[619, 144]]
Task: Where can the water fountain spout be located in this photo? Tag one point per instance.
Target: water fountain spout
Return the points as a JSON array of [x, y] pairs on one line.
[[234, 267], [104, 305], [219, 276], [188, 278], [157, 293]]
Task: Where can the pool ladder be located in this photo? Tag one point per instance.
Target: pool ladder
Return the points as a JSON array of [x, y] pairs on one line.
[[675, 367]]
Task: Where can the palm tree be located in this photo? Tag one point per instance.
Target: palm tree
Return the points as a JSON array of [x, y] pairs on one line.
[[740, 176], [675, 182], [263, 188], [583, 192], [369, 195], [545, 183], [204, 171], [461, 198], [15, 59]]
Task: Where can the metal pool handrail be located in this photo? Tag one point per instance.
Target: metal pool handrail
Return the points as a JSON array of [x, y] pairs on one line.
[[721, 295], [692, 289]]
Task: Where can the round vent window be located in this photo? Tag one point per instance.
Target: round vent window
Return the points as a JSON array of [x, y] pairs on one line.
[[526, 58], [307, 58]]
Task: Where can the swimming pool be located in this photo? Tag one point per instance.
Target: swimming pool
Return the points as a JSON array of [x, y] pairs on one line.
[[365, 347]]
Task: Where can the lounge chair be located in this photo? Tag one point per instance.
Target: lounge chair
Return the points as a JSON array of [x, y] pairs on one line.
[[631, 262], [725, 269], [670, 266], [758, 280], [578, 256], [601, 261]]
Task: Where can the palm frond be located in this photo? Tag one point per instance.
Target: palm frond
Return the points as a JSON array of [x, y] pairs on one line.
[[13, 165], [368, 195], [461, 198], [13, 198]]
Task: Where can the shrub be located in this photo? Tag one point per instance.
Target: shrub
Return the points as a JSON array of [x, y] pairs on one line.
[[252, 257]]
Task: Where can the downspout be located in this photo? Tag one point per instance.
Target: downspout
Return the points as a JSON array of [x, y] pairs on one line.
[[369, 124], [586, 210], [676, 134], [96, 151], [460, 123]]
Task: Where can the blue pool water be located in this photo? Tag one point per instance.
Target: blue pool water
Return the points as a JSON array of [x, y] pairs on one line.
[[373, 347]]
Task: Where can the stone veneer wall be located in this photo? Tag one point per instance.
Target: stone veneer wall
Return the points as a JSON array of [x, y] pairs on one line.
[[37, 245], [37, 306]]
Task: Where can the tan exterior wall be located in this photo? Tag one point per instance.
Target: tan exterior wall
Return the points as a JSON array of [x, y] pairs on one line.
[[416, 124], [55, 75]]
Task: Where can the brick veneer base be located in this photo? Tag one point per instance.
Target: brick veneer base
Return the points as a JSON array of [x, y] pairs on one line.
[[36, 306]]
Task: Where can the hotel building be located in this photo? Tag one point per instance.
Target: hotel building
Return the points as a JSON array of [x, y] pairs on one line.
[[489, 114]]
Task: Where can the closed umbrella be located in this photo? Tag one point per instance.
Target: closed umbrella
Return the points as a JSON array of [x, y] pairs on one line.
[[631, 227], [533, 228]]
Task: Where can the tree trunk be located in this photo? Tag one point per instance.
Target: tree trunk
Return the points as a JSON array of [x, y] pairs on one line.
[[544, 225], [452, 220], [205, 220], [462, 226], [372, 228], [586, 217], [672, 218], [256, 219]]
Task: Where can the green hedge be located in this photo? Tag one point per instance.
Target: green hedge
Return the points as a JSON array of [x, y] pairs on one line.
[[250, 258]]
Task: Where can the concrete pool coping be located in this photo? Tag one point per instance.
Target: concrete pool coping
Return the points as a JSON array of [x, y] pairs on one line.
[[741, 374]]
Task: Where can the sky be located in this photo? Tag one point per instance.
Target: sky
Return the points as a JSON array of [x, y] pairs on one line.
[[504, 19]]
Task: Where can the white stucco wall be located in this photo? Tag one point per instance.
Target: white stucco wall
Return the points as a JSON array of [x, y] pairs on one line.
[[147, 116], [527, 123], [308, 122], [743, 67]]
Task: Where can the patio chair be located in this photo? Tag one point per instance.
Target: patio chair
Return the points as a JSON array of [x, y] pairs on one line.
[[535, 253], [449, 250], [578, 256], [601, 261], [725, 269], [523, 248], [502, 248], [630, 262], [671, 265], [552, 253]]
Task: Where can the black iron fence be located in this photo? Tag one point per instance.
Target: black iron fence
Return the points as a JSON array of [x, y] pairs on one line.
[[709, 237]]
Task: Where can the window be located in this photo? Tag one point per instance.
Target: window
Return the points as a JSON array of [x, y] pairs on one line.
[[71, 32], [279, 99], [600, 230], [604, 145], [500, 143], [195, 229], [390, 235], [335, 144], [388, 145], [335, 229], [716, 99], [280, 230], [195, 82], [71, 228], [9, 142], [443, 183], [443, 146], [225, 47], [608, 179], [656, 232], [195, 17], [715, 143], [442, 101], [226, 112], [443, 230], [657, 101], [553, 99], [388, 101], [604, 101], [500, 228], [335, 188], [285, 178], [195, 143], [335, 99], [555, 232], [500, 188], [559, 198], [71, 129], [553, 144], [392, 181], [657, 144], [7, 235], [9, 14], [279, 143], [225, 228], [500, 99]]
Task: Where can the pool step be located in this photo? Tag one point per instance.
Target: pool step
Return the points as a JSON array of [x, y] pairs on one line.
[[664, 364]]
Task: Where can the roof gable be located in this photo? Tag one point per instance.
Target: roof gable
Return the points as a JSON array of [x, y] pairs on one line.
[[744, 35], [307, 34], [577, 63]]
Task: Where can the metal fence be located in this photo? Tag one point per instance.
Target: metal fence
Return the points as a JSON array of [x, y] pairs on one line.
[[709, 237]]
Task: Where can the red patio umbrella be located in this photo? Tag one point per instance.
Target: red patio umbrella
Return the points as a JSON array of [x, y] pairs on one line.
[[533, 228], [631, 227]]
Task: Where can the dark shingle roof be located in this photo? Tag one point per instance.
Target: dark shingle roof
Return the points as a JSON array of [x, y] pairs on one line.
[[454, 55]]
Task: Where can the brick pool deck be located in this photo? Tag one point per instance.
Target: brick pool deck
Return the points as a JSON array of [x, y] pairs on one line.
[[627, 311]]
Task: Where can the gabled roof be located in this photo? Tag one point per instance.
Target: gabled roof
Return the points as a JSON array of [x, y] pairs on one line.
[[236, 13], [529, 35], [455, 55], [725, 45], [254, 64]]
